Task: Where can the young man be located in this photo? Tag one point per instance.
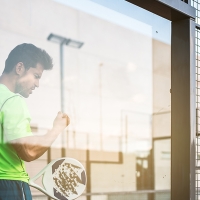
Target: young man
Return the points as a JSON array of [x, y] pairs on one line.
[[23, 70]]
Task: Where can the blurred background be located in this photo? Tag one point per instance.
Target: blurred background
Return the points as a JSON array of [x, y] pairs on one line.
[[112, 77]]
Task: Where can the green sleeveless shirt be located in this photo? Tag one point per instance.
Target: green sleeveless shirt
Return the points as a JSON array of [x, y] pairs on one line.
[[14, 124]]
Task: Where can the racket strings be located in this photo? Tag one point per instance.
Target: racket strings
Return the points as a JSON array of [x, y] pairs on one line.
[[66, 179]]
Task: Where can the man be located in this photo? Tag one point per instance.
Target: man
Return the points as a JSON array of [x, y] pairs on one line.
[[23, 70]]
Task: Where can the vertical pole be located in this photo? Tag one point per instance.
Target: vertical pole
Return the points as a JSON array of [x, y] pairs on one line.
[[121, 136], [126, 131], [183, 111], [61, 79], [88, 170], [49, 160], [62, 96], [100, 98]]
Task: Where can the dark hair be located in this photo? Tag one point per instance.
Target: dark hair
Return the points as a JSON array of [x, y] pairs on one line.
[[29, 55]]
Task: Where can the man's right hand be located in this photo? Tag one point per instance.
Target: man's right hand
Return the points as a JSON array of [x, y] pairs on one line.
[[32, 147], [61, 122]]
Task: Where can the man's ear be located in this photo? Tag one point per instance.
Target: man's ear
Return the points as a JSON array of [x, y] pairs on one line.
[[19, 68]]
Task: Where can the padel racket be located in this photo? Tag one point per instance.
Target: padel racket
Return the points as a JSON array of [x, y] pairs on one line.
[[63, 179]]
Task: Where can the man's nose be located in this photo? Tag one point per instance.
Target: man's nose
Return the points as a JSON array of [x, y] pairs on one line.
[[37, 83]]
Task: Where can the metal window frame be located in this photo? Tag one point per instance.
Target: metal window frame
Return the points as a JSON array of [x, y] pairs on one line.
[[183, 92]]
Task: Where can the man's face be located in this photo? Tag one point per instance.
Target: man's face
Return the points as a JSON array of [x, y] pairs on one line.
[[28, 80]]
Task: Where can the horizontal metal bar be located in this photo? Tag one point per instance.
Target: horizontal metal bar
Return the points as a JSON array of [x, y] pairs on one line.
[[180, 6], [170, 9], [161, 113], [161, 138], [127, 192]]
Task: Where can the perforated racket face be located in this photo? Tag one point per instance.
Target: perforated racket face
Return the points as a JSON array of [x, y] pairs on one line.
[[65, 179]]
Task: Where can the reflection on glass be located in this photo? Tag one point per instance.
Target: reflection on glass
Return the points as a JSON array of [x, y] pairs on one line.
[[117, 93]]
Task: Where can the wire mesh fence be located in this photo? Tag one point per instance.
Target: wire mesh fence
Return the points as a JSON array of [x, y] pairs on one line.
[[196, 4]]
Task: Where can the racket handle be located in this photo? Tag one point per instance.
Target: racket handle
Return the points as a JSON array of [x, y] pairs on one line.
[[32, 184]]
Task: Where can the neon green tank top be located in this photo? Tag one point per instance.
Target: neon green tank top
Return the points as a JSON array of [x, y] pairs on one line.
[[14, 124]]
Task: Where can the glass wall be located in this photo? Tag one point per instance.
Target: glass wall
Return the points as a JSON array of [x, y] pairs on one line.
[[116, 91]]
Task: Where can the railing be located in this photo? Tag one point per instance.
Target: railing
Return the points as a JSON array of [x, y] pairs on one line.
[[134, 195]]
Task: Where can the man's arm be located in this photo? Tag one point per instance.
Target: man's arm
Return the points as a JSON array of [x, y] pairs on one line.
[[32, 147]]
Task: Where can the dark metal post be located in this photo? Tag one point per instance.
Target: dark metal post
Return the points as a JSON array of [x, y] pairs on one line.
[[100, 101], [88, 170], [73, 43], [183, 111], [49, 160], [62, 96], [61, 78], [126, 132]]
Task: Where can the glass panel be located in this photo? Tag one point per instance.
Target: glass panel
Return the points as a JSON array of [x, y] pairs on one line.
[[116, 92], [162, 161]]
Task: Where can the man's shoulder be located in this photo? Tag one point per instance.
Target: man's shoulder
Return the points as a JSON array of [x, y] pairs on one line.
[[9, 99], [5, 94]]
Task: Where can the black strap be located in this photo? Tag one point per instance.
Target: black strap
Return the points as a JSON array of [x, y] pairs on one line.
[[7, 100]]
